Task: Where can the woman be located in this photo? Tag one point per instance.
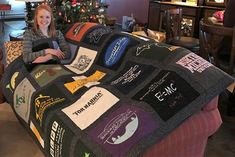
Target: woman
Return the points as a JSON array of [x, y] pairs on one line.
[[43, 42]]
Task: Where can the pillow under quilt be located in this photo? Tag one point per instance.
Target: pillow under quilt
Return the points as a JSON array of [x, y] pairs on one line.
[[13, 50]]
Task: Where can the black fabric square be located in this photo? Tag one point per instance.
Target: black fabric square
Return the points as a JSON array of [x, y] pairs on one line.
[[82, 150], [155, 51], [12, 78], [58, 137], [131, 76], [167, 93], [45, 101], [96, 35]]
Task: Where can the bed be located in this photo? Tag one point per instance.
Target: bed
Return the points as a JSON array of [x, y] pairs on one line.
[[118, 95]]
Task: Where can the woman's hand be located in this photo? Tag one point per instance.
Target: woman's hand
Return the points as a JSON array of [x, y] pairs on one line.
[[43, 59], [58, 53]]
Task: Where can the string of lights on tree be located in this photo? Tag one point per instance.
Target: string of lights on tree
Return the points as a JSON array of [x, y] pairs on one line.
[[71, 11]]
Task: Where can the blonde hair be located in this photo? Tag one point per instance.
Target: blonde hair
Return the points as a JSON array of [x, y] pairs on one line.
[[51, 29]]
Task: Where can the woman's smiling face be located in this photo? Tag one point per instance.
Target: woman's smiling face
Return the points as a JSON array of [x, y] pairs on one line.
[[43, 19]]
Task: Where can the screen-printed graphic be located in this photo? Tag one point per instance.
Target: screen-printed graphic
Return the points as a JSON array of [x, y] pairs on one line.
[[12, 84], [87, 81], [194, 63], [22, 99], [90, 106], [97, 35], [115, 51], [155, 51], [44, 74], [46, 100], [131, 76], [167, 93], [59, 138], [83, 61], [122, 128], [78, 30]]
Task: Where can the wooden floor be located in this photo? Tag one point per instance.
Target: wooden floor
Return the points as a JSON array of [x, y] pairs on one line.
[[15, 141]]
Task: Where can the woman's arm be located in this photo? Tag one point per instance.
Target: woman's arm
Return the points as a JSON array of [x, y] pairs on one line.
[[43, 59], [28, 55]]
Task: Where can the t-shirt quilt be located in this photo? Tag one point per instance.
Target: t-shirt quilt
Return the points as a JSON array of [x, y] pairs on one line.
[[116, 91]]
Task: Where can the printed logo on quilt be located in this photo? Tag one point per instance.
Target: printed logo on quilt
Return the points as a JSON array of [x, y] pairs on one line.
[[11, 85], [22, 99], [42, 102], [128, 119], [115, 51], [194, 63], [96, 35], [155, 50], [46, 100], [131, 76], [59, 139], [142, 48], [167, 93], [50, 72], [83, 61], [78, 30], [85, 81], [44, 74], [122, 129], [86, 110]]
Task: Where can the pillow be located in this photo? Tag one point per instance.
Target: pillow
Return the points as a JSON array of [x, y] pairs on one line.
[[219, 15], [13, 50]]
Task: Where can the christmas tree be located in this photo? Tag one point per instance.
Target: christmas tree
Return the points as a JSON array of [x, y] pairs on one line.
[[71, 11]]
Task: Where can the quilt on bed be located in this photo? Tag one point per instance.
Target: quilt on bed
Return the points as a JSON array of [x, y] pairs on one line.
[[117, 95]]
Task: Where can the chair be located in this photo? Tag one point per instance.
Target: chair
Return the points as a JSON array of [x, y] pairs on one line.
[[211, 40], [173, 18]]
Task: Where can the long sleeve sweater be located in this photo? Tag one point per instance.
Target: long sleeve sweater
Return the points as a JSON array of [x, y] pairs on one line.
[[31, 38]]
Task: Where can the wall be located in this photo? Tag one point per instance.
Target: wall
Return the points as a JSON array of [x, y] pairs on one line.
[[119, 8]]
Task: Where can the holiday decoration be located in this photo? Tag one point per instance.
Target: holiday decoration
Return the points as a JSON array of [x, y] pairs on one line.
[[71, 11]]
